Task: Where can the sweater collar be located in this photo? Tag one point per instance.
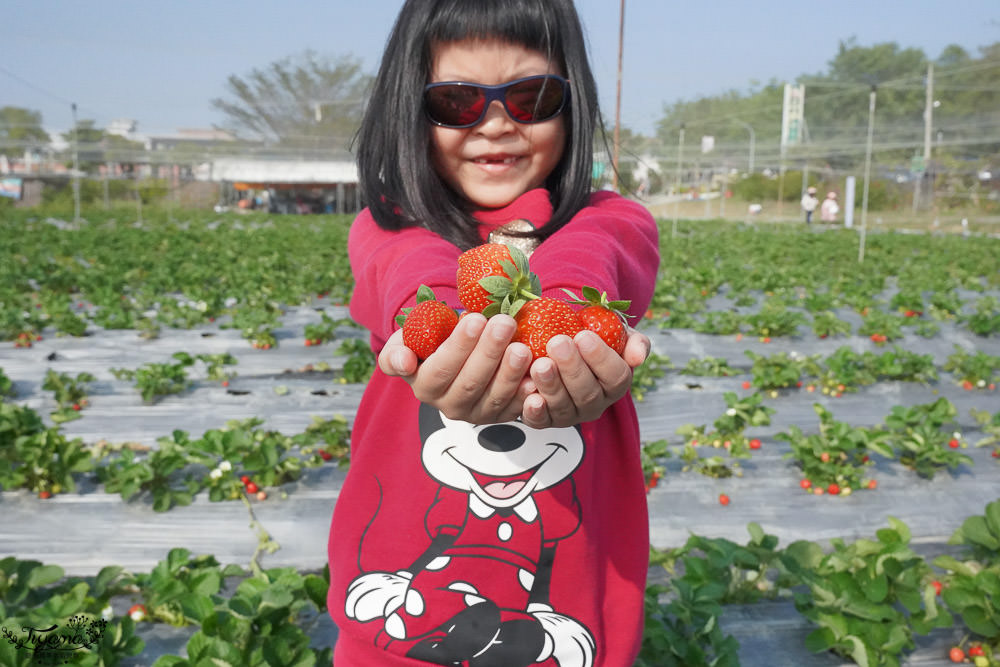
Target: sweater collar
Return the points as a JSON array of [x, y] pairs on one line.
[[533, 206]]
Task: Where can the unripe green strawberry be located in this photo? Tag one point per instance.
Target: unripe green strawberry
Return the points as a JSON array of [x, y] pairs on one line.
[[490, 274], [603, 317], [428, 324], [540, 319]]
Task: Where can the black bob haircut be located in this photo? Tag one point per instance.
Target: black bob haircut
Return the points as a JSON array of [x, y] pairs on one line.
[[396, 176]]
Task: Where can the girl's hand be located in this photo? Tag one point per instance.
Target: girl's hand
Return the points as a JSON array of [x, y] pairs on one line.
[[477, 375], [580, 378]]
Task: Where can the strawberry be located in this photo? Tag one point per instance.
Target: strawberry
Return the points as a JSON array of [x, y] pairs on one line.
[[137, 612], [603, 317], [428, 324], [492, 273], [541, 319], [723, 499]]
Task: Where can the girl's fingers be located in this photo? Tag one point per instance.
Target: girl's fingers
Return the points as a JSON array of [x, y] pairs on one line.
[[396, 359], [612, 372], [436, 374]]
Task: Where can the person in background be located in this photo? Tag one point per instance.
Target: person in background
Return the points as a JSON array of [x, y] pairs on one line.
[[809, 204], [829, 209]]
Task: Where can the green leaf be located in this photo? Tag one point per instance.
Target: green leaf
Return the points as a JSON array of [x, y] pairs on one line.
[[43, 575]]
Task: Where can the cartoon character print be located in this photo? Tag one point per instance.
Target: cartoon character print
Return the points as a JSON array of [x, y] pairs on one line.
[[478, 596]]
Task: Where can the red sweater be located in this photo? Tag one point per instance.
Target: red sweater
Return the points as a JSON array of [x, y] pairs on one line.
[[453, 543]]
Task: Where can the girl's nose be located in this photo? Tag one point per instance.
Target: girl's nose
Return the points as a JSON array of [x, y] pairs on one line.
[[496, 120]]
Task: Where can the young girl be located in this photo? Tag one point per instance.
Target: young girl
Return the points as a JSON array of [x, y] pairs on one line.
[[495, 511]]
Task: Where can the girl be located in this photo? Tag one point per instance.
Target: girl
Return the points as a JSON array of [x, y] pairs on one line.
[[495, 511]]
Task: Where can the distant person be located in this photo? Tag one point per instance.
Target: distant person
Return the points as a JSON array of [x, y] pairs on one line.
[[809, 204], [829, 209]]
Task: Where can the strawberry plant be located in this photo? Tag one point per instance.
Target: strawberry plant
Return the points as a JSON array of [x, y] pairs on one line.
[[973, 370], [360, 362], [709, 367], [318, 333], [778, 371], [155, 380], [867, 598], [6, 386], [845, 370], [775, 319], [991, 430], [70, 394], [945, 305], [970, 585], [36, 458], [651, 454], [826, 323], [901, 365], [330, 437], [648, 373], [214, 366], [882, 325], [985, 319], [178, 589], [833, 461], [728, 435], [76, 611], [719, 323], [920, 441], [259, 625]]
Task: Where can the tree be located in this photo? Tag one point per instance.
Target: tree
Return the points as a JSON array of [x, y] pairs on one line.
[[303, 102], [95, 146], [21, 130]]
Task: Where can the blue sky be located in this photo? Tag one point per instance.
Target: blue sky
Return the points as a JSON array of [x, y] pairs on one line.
[[160, 63]]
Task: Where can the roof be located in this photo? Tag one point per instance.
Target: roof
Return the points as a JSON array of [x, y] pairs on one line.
[[282, 171]]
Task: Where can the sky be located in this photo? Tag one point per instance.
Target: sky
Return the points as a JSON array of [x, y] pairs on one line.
[[161, 62]]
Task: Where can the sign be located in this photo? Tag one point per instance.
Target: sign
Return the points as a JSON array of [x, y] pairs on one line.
[[11, 187], [707, 144], [793, 115], [917, 165]]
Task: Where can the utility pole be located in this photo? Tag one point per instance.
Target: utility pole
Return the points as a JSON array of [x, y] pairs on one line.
[[618, 98], [868, 171], [928, 122], [76, 167], [677, 192]]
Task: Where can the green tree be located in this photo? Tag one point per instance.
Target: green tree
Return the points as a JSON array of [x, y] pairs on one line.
[[21, 130], [305, 102]]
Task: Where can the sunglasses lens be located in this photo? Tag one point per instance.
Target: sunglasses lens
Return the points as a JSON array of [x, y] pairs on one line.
[[454, 104], [535, 100]]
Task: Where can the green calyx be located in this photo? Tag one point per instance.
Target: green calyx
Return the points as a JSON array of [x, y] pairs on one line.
[[591, 297], [508, 293], [424, 293]]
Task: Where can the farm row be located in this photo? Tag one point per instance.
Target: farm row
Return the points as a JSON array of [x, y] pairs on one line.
[[843, 410]]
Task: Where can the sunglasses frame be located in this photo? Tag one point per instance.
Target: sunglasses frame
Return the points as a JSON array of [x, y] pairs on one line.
[[499, 93]]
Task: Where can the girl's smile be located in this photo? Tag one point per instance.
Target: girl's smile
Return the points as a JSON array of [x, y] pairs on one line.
[[494, 162]]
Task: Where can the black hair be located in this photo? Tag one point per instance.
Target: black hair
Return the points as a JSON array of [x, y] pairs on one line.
[[396, 176]]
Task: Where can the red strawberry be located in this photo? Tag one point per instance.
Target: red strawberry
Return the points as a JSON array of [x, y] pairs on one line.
[[490, 273], [723, 499], [137, 612], [541, 319], [428, 324], [603, 317]]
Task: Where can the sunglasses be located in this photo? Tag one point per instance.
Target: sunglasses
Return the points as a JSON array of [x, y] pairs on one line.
[[533, 99]]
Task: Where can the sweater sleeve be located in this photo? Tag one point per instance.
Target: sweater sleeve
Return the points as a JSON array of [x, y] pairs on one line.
[[612, 245], [389, 266]]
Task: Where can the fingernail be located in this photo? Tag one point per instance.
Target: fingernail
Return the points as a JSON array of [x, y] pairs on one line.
[[519, 356], [587, 341], [398, 359], [502, 329], [560, 348]]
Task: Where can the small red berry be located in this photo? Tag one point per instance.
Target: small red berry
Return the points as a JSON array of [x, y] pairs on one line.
[[251, 487], [747, 384], [805, 484], [325, 455], [954, 443], [44, 495], [76, 406], [975, 651], [723, 499], [137, 612], [937, 587], [872, 484], [956, 654], [833, 489], [245, 479], [755, 444]]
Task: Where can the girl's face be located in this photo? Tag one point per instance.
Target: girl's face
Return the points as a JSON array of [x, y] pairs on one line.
[[493, 163]]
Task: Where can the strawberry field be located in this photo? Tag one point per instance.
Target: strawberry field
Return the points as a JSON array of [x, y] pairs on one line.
[[821, 441]]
